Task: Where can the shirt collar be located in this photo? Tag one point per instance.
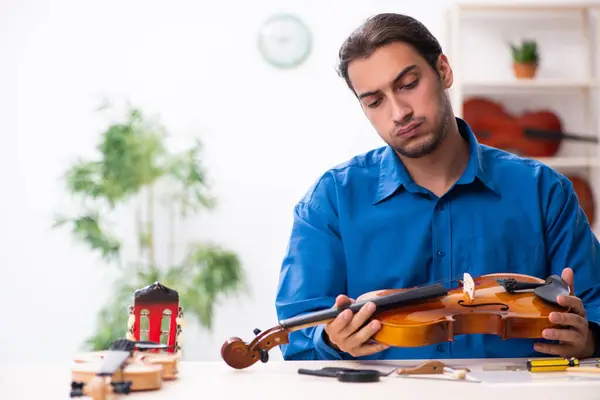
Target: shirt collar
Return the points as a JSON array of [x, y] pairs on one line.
[[393, 175]]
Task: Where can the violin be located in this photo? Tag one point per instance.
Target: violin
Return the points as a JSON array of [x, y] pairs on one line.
[[503, 304], [120, 370], [169, 361], [531, 134], [585, 196]]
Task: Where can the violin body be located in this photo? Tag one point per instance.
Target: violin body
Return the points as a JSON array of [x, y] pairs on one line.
[[495, 127], [168, 362], [504, 304], [142, 376], [492, 311], [532, 134], [121, 369]]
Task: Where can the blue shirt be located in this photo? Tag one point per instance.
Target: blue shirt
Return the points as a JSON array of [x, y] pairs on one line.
[[365, 225]]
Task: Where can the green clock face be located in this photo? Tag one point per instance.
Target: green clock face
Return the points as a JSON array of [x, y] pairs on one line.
[[284, 41]]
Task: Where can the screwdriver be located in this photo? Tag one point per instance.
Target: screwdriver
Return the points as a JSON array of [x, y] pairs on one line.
[[559, 364]]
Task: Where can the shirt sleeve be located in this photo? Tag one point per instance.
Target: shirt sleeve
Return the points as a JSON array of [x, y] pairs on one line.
[[572, 243], [313, 274]]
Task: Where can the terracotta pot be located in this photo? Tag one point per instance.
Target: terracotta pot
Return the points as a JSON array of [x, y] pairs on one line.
[[525, 71]]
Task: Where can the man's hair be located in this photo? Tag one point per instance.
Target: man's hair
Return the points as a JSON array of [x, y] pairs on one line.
[[383, 29]]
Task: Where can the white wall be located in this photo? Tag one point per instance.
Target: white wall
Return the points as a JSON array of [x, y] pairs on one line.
[[197, 65]]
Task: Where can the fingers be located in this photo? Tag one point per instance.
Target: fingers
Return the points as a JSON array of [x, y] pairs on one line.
[[347, 323], [343, 318], [556, 349], [363, 335], [569, 336], [359, 319], [342, 300], [368, 349], [571, 320], [567, 276], [349, 333], [574, 303]]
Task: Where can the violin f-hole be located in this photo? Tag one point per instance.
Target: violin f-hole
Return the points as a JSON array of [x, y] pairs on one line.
[[503, 307]]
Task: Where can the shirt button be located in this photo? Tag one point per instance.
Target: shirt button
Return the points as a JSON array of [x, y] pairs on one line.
[[441, 207], [441, 253]]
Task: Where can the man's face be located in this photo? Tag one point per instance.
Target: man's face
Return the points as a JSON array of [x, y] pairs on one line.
[[404, 98]]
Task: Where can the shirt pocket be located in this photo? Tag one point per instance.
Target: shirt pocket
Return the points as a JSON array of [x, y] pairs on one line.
[[487, 255]]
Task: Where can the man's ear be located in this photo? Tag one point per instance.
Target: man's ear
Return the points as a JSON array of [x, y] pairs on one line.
[[445, 71]]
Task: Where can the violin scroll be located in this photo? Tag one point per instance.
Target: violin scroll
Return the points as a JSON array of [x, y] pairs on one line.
[[239, 354]]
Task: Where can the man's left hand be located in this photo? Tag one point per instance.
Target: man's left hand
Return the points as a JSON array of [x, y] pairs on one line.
[[576, 339]]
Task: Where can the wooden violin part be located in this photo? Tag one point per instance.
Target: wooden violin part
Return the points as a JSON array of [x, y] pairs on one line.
[[504, 304], [148, 355], [585, 196], [116, 372], [168, 362], [532, 134]]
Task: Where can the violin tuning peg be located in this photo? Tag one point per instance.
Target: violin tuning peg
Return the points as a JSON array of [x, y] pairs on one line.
[[256, 331], [76, 389], [122, 387], [264, 355]]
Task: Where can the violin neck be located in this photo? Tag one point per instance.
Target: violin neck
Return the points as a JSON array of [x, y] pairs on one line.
[[116, 356], [555, 135], [382, 303], [113, 361]]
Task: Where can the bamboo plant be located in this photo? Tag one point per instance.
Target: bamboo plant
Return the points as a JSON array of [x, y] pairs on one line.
[[134, 175]]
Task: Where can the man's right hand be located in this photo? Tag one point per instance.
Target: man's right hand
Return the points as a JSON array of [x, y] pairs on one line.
[[344, 334]]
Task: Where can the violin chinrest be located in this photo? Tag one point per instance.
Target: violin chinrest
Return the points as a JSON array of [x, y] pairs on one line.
[[555, 287]]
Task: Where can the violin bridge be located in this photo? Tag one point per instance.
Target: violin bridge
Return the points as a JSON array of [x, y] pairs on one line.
[[468, 286]]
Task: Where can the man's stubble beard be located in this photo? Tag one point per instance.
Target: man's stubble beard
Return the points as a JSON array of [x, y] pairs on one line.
[[438, 134]]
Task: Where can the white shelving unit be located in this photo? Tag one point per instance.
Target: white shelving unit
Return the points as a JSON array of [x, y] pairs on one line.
[[567, 79]]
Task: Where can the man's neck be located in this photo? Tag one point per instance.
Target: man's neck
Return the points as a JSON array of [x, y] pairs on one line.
[[439, 170]]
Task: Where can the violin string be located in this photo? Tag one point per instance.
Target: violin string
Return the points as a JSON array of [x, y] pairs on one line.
[[440, 281]]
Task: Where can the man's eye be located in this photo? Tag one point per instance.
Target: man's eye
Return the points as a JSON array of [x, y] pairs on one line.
[[374, 104], [411, 85]]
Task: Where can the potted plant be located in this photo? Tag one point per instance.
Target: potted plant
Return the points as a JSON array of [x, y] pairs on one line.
[[525, 59], [134, 179]]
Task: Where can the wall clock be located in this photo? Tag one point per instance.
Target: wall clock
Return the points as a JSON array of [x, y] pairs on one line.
[[284, 41]]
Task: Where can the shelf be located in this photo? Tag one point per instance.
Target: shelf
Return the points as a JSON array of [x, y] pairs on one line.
[[564, 162], [520, 7], [546, 84]]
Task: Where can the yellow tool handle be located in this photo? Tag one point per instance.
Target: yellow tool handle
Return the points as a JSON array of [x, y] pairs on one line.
[[551, 364]]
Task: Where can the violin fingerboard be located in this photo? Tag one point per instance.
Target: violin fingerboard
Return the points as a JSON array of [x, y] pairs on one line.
[[112, 362]]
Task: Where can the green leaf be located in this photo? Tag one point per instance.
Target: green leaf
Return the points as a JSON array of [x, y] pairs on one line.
[[86, 229], [130, 163], [527, 52]]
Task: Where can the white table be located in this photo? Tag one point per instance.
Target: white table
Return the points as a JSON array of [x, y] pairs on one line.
[[280, 380]]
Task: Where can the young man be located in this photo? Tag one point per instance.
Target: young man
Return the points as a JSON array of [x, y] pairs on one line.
[[427, 207]]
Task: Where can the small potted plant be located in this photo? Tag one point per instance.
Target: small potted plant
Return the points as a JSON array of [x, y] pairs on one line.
[[525, 59]]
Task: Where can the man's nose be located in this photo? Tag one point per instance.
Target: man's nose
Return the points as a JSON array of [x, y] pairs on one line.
[[401, 112]]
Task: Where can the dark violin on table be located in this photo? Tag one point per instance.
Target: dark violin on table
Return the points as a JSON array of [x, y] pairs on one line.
[[504, 304]]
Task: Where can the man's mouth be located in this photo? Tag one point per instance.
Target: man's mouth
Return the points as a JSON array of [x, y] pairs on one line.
[[408, 129]]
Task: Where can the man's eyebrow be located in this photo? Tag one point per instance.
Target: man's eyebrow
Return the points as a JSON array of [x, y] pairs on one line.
[[396, 79]]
